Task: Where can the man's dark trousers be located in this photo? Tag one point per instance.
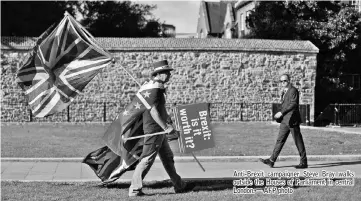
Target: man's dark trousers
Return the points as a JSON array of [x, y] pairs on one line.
[[282, 137]]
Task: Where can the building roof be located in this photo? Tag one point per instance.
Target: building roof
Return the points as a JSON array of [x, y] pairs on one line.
[[241, 3], [216, 12], [230, 16], [179, 44]]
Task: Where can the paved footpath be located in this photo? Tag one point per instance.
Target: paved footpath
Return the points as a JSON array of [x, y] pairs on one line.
[[70, 171]]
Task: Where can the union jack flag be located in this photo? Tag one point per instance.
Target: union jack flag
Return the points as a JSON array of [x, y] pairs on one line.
[[119, 156], [62, 63]]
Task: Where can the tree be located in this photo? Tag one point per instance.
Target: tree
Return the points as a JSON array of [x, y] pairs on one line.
[[152, 29], [102, 18], [334, 27], [119, 19], [31, 18]]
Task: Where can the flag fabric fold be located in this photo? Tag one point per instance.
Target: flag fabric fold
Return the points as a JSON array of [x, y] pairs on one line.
[[119, 155], [64, 60]]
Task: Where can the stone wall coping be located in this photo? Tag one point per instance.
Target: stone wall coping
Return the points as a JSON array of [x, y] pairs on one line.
[[180, 44]]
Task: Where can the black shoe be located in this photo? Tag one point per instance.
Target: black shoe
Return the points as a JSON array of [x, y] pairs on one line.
[[138, 194], [189, 187], [301, 166], [267, 162]]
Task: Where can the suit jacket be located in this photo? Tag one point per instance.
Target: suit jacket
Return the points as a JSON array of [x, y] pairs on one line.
[[290, 107]]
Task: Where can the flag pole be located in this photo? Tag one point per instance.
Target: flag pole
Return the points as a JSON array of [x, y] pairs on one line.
[[146, 135], [127, 73], [200, 165]]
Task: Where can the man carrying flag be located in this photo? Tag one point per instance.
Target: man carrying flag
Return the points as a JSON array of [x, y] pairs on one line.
[[145, 115]]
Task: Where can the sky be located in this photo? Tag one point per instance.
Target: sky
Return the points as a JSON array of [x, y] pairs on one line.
[[181, 14]]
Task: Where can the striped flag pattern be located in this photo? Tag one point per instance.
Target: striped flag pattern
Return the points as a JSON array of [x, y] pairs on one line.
[[119, 156], [62, 63]]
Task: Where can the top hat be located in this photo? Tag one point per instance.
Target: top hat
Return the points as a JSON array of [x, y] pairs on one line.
[[161, 66]]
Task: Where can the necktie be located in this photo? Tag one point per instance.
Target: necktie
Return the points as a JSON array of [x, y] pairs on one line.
[[283, 94]]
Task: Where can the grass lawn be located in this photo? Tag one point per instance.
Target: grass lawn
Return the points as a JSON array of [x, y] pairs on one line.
[[205, 190], [232, 139]]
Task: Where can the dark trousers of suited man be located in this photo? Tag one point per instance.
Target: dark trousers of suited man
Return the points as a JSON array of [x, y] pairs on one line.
[[284, 131], [290, 120]]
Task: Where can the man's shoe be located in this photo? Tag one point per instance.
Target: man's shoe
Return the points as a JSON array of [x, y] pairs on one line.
[[301, 166], [189, 187], [267, 162], [138, 194]]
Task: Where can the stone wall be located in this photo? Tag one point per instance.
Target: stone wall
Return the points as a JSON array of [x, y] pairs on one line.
[[214, 75]]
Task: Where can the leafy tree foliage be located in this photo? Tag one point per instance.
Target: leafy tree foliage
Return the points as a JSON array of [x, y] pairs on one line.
[[102, 18], [334, 27], [119, 19], [31, 18]]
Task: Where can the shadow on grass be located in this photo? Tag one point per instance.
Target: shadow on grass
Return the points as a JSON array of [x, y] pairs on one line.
[[285, 166], [342, 163], [320, 165], [200, 185]]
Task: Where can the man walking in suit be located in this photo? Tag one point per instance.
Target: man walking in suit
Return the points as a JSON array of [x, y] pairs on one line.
[[290, 120]]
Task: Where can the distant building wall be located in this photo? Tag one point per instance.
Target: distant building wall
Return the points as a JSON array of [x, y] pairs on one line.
[[202, 27], [206, 70], [243, 9]]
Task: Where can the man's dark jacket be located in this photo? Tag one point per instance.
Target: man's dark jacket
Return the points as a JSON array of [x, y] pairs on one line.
[[290, 107]]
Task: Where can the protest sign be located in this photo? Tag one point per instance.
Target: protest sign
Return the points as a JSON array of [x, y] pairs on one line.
[[193, 121]]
